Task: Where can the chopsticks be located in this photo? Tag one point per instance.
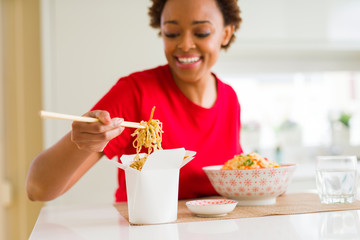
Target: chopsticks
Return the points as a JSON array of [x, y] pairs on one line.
[[53, 115]]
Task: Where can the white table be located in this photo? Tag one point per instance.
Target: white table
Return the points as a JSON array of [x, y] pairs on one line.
[[104, 222]]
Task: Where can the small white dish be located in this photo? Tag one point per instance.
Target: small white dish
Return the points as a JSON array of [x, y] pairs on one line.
[[211, 207]]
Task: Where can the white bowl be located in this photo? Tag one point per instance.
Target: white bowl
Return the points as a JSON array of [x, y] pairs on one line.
[[211, 207], [251, 186]]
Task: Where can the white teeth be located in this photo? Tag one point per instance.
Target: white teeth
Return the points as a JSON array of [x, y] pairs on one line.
[[188, 60]]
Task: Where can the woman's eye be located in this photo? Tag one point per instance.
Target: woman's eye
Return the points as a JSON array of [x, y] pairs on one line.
[[202, 35], [171, 35]]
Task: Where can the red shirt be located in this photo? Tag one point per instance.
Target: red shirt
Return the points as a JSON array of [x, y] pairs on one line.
[[213, 133]]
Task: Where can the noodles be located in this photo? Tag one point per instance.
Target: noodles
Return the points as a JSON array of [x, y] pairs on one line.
[[149, 137], [248, 161]]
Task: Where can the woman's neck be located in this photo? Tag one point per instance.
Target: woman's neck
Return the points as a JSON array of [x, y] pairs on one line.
[[202, 92]]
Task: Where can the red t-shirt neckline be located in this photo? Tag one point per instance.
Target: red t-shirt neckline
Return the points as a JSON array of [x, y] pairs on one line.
[[194, 107]]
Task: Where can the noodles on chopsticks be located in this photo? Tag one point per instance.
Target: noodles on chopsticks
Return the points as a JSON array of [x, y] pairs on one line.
[[149, 137]]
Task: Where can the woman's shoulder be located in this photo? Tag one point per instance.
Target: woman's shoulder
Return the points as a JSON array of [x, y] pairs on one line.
[[225, 88], [150, 75]]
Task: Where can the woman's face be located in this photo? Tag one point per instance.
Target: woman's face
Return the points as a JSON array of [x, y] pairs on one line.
[[193, 32]]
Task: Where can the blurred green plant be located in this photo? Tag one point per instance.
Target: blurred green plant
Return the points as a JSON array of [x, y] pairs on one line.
[[287, 124], [251, 126], [345, 119]]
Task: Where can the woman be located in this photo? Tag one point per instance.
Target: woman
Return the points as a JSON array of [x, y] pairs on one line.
[[198, 111]]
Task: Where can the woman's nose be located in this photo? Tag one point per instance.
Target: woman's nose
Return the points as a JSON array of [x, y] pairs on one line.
[[186, 42]]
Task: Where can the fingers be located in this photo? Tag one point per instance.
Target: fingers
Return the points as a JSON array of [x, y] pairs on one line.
[[103, 116], [98, 127], [105, 122], [95, 136], [83, 137], [94, 142]]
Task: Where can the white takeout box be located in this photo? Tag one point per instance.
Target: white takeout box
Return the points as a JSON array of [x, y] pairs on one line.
[[153, 192]]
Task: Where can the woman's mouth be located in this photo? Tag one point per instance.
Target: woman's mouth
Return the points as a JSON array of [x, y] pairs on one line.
[[187, 62]]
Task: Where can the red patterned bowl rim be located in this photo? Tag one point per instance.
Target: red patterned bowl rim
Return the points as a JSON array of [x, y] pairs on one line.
[[218, 167], [210, 202]]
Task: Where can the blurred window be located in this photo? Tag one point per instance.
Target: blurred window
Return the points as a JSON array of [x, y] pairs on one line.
[[312, 102]]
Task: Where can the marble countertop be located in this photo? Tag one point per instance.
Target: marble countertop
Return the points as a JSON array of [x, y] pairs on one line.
[[104, 222]]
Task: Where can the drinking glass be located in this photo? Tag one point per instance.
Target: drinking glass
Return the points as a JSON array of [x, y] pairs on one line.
[[336, 179]]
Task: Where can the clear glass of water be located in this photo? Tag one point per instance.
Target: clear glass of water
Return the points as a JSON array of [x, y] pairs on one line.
[[336, 179]]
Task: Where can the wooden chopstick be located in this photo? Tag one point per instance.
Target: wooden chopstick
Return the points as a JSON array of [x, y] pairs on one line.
[[53, 115]]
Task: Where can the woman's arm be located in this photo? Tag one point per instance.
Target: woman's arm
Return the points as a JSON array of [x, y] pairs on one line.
[[58, 168]]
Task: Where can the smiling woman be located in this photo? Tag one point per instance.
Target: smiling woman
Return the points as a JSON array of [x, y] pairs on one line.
[[192, 41], [191, 101]]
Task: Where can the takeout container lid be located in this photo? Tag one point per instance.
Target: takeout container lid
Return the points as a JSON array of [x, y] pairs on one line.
[[153, 192]]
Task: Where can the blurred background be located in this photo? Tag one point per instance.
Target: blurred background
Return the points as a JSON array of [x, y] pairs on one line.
[[295, 66]]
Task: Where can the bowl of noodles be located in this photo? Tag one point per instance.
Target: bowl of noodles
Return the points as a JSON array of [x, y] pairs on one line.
[[251, 179]]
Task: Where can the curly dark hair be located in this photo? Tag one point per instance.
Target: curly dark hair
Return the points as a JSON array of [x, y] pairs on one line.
[[229, 9]]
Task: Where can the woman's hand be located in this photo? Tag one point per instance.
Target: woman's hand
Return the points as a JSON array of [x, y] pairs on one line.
[[94, 137], [58, 168]]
